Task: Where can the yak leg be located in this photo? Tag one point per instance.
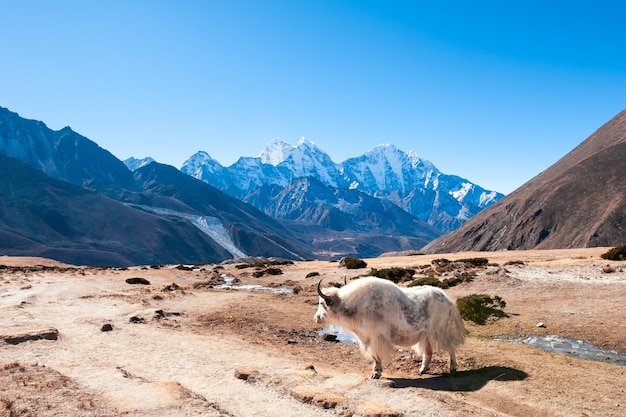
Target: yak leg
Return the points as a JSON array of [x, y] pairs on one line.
[[427, 354], [378, 368], [452, 362]]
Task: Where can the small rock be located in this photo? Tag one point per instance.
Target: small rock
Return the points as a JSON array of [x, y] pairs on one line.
[[292, 342], [138, 280], [330, 337], [135, 319], [172, 287], [309, 367], [540, 324], [13, 338], [106, 328], [318, 396], [159, 314], [246, 373]]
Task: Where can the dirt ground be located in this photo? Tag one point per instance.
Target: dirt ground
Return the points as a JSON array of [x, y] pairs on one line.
[[78, 341]]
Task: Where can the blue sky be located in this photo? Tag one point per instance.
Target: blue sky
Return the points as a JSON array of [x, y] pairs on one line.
[[492, 91]]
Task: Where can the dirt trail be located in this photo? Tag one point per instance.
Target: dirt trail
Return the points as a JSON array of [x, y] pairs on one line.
[[180, 348]]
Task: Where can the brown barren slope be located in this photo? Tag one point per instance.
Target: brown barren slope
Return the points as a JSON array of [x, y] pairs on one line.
[[578, 202]]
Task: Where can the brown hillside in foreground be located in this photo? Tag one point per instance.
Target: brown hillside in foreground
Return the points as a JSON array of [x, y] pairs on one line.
[[580, 201]]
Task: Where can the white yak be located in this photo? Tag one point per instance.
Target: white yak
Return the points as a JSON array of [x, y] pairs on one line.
[[383, 315]]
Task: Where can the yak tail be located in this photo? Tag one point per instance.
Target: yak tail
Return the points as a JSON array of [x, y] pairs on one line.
[[451, 332]]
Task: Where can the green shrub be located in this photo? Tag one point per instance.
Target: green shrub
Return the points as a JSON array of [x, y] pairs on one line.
[[475, 261], [617, 253], [466, 276], [446, 283], [480, 307], [353, 263], [393, 274], [440, 262], [426, 281]]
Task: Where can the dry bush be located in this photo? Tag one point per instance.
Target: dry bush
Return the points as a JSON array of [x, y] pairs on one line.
[[481, 307]]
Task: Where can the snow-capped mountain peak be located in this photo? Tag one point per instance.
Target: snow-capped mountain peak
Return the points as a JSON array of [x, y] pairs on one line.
[[305, 141], [307, 160], [276, 151], [134, 164], [415, 159]]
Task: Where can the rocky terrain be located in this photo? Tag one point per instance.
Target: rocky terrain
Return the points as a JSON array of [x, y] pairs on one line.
[[171, 340]]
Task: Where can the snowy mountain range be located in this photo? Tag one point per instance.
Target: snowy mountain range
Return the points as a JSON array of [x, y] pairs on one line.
[[415, 185]]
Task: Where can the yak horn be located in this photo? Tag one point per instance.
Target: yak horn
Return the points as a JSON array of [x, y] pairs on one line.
[[329, 300]]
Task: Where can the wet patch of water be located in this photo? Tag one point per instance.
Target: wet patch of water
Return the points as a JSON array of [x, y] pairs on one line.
[[251, 287], [569, 347], [342, 335]]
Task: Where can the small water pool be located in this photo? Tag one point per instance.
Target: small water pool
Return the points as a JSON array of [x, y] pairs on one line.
[[251, 287], [569, 347], [342, 335]]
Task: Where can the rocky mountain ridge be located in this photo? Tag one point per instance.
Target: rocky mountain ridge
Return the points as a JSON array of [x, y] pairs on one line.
[[415, 185]]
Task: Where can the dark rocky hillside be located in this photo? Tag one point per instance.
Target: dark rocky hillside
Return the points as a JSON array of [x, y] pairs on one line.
[[580, 201], [41, 216]]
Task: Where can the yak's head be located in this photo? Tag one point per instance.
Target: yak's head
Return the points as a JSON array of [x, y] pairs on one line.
[[328, 303]]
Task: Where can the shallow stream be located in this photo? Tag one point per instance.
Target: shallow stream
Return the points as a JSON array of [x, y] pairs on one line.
[[251, 287], [569, 347], [342, 335]]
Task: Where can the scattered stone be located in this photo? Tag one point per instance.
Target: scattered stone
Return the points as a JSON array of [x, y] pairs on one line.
[[317, 396], [137, 280], [172, 287], [246, 373], [330, 337], [135, 319], [160, 314], [14, 338], [292, 342], [106, 328], [309, 367], [371, 409], [540, 324]]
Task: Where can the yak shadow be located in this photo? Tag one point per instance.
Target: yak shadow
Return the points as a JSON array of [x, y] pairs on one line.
[[463, 381]]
